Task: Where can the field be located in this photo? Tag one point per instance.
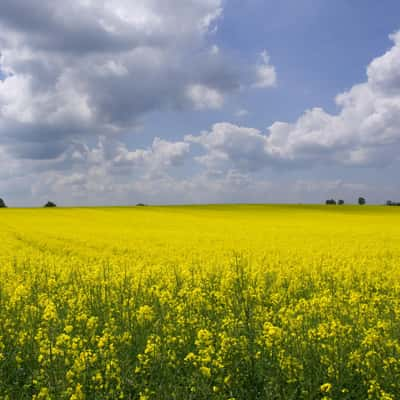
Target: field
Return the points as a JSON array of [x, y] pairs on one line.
[[206, 302]]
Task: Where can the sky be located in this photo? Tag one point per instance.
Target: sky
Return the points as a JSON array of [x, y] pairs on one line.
[[114, 102]]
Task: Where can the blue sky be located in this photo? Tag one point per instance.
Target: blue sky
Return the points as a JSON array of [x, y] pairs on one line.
[[199, 101]]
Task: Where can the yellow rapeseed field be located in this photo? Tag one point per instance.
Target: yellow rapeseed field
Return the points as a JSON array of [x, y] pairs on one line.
[[206, 302]]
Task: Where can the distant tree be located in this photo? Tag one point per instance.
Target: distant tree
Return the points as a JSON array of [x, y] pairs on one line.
[[392, 203], [361, 201], [340, 202], [330, 202], [2, 204], [140, 205], [50, 204]]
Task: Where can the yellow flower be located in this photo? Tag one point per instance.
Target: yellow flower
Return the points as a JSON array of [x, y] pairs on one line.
[[326, 387], [145, 314], [205, 371]]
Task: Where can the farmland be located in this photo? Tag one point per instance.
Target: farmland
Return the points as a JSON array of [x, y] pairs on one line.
[[200, 302]]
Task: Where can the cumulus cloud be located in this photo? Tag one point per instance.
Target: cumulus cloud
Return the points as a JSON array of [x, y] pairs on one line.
[[92, 174], [229, 145], [162, 154], [365, 132], [84, 68]]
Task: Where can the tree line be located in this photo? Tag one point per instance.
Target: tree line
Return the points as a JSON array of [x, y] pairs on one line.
[[361, 201]]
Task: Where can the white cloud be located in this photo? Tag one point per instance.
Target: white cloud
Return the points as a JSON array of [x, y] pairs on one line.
[[265, 73], [108, 172], [366, 131], [228, 145], [161, 154], [86, 68], [204, 97]]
